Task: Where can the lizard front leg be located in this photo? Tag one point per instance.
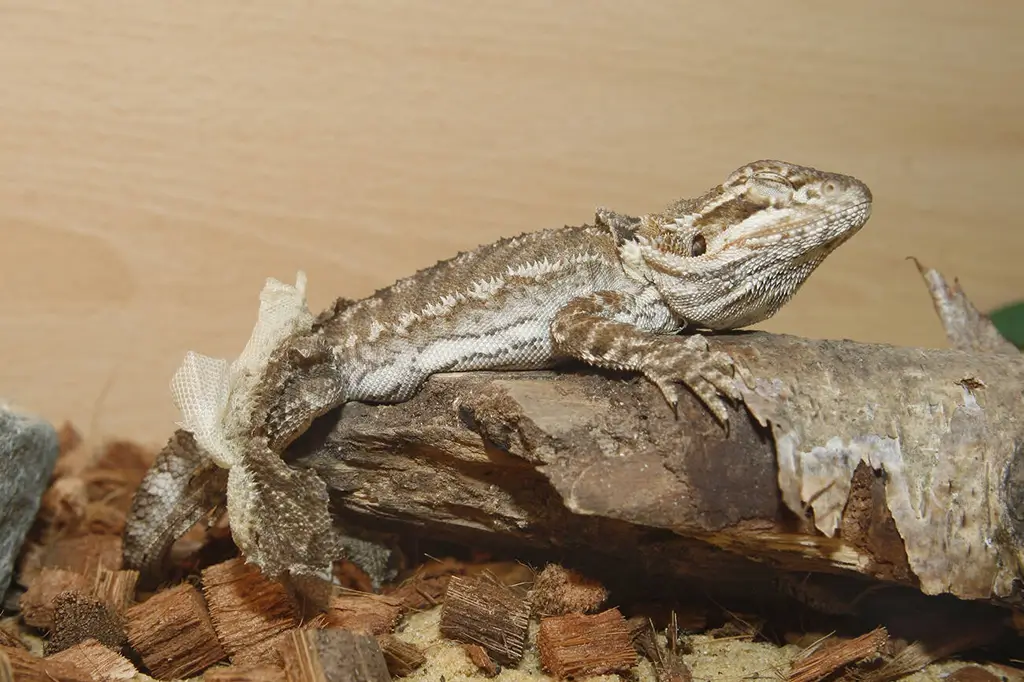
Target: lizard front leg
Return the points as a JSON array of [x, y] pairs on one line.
[[618, 331]]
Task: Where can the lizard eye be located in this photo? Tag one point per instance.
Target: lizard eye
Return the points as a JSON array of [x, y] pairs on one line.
[[699, 245]]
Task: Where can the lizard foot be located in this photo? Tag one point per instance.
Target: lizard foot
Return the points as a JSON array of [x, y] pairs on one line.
[[689, 361]]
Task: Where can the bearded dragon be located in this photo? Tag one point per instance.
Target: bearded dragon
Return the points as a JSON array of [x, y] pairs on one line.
[[625, 294]]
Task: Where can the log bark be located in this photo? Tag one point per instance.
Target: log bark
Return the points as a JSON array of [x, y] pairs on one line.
[[901, 464]]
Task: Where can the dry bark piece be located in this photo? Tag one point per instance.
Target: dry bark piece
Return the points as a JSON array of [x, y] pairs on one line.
[[173, 634], [249, 611], [36, 603], [245, 673], [402, 657], [481, 660], [367, 614], [78, 617], [481, 612], [333, 655], [579, 645], [830, 655], [558, 591], [99, 662], [17, 665]]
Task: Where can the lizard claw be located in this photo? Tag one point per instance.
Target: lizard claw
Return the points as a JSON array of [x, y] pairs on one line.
[[708, 374]]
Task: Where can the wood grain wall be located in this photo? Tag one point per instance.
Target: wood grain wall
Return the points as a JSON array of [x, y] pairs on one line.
[[160, 159]]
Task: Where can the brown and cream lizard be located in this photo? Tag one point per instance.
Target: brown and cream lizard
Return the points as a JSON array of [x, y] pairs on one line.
[[614, 295]]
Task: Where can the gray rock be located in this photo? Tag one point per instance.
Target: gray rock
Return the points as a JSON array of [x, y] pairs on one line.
[[28, 451]]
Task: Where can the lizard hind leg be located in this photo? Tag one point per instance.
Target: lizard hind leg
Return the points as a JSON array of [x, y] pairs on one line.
[[617, 331]]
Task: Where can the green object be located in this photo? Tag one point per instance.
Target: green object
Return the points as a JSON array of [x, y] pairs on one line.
[[1009, 320]]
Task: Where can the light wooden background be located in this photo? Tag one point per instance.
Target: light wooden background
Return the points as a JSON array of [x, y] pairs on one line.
[[160, 159]]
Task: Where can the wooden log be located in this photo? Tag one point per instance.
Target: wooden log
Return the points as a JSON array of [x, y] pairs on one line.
[[477, 611], [333, 655], [824, 468], [578, 645], [173, 634], [828, 466]]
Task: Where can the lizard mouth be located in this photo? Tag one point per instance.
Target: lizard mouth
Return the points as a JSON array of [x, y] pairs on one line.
[[842, 224]]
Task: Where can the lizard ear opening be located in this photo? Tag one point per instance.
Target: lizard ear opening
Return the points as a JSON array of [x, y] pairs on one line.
[[699, 245]]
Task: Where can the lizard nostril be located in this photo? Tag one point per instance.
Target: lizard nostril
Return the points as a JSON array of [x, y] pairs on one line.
[[829, 188]]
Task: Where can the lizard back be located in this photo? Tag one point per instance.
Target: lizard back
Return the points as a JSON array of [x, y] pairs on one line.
[[486, 309]]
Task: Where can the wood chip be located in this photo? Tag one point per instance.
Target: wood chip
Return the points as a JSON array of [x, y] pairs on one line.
[[558, 591], [578, 645], [481, 660], [68, 437], [973, 673], [36, 603], [116, 589], [482, 612], [117, 473], [173, 634], [63, 506], [100, 518], [10, 639], [245, 673], [249, 611], [333, 655], [317, 622], [421, 593], [668, 664], [367, 614], [402, 658], [830, 655], [101, 663], [17, 665], [84, 554], [78, 617]]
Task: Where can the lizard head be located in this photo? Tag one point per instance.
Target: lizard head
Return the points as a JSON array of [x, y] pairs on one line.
[[735, 255]]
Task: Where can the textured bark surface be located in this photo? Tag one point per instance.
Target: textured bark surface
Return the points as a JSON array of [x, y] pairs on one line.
[[893, 463]]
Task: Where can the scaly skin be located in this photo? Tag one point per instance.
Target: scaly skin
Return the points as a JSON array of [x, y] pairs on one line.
[[615, 296]]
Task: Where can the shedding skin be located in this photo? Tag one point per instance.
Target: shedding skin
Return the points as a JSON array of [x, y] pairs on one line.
[[627, 294]]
